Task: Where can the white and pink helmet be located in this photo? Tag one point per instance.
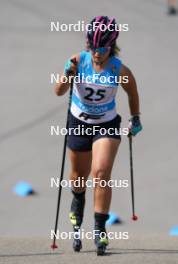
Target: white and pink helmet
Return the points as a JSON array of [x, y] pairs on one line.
[[102, 32]]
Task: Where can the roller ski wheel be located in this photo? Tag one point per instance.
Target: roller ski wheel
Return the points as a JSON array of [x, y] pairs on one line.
[[101, 244], [77, 245], [101, 250]]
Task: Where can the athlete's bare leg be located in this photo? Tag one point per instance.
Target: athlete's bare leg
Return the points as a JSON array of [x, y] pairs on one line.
[[103, 155], [80, 167], [172, 3], [172, 9]]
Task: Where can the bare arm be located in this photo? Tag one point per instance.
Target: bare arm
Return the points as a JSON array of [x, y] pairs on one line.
[[62, 87], [131, 90]]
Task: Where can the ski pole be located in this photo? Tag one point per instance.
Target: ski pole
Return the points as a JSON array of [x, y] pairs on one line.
[[134, 217], [54, 246]]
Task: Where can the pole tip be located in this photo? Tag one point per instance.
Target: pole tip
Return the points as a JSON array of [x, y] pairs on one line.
[[134, 218], [54, 246]]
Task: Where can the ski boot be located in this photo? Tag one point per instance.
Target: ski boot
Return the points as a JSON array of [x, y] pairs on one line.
[[101, 239], [76, 218], [77, 243]]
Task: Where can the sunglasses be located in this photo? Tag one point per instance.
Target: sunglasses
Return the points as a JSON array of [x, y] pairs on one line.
[[101, 50]]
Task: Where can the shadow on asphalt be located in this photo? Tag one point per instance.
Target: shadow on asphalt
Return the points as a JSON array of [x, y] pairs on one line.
[[31, 254], [114, 251], [111, 251]]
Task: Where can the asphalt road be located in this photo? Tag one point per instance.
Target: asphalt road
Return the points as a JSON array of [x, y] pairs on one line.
[[148, 249], [29, 53]]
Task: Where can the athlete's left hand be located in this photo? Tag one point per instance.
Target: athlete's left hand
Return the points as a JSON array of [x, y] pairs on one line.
[[135, 125]]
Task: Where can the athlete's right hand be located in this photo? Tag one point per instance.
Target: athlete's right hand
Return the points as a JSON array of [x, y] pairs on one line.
[[70, 68]]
